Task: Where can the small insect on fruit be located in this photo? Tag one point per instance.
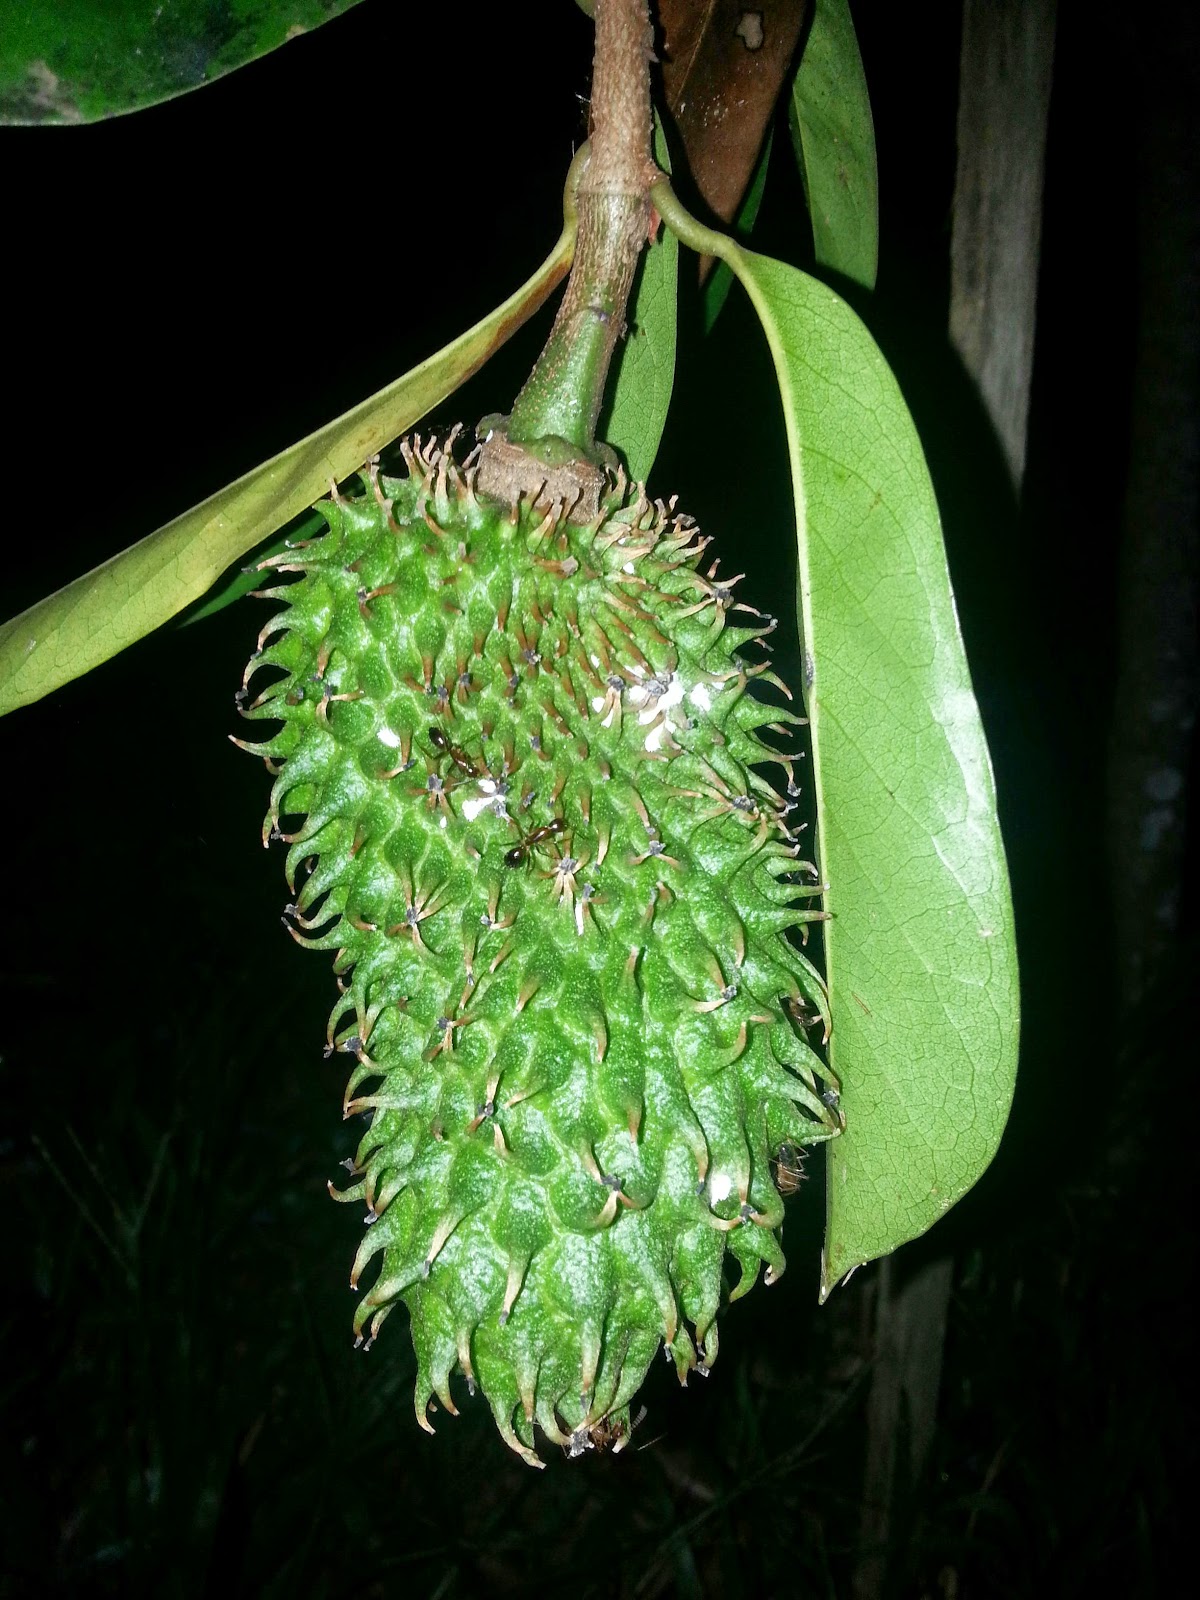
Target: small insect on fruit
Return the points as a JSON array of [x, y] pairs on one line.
[[485, 1039], [611, 1434], [459, 757], [520, 852], [788, 1166]]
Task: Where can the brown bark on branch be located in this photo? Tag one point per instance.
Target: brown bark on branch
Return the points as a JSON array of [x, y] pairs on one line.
[[548, 448]]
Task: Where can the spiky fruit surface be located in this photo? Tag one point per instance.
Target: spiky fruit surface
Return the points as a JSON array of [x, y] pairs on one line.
[[522, 758]]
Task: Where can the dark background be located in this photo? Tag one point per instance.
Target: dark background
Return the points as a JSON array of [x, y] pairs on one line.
[[191, 289]]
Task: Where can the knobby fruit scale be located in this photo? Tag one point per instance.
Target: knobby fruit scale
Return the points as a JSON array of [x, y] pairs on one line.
[[520, 775]]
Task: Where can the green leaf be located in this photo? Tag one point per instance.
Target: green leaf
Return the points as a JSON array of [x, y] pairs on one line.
[[635, 413], [645, 369], [834, 138], [920, 951], [247, 578], [80, 60], [127, 597], [716, 289]]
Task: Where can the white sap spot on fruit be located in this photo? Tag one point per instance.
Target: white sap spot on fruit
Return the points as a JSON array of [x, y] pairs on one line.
[[489, 798], [720, 1187], [442, 822], [672, 695], [628, 567], [657, 696], [598, 704], [389, 738], [699, 696]]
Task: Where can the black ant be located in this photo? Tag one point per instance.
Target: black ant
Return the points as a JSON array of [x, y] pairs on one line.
[[520, 852], [460, 758]]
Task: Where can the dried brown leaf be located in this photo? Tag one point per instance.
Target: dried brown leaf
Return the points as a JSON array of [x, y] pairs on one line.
[[724, 65]]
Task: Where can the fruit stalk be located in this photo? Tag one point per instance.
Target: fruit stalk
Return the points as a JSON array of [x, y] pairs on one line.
[[553, 422]]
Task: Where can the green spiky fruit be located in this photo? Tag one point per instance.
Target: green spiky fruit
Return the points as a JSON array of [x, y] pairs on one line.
[[517, 778]]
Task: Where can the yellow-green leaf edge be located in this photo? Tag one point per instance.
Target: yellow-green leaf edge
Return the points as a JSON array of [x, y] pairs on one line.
[[111, 607]]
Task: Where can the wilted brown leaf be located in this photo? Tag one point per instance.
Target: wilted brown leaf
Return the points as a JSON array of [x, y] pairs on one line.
[[724, 65]]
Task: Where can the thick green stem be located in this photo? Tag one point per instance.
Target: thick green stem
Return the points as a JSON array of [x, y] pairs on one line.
[[565, 390], [552, 430]]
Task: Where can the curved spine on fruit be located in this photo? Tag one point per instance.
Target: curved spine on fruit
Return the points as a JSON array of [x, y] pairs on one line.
[[519, 776]]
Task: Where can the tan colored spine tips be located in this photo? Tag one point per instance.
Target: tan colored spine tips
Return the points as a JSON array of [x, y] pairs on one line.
[[517, 764]]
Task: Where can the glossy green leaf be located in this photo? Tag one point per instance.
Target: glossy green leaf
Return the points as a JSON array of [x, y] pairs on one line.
[[716, 288], [127, 597], [80, 60], [829, 113], [644, 373], [920, 951]]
